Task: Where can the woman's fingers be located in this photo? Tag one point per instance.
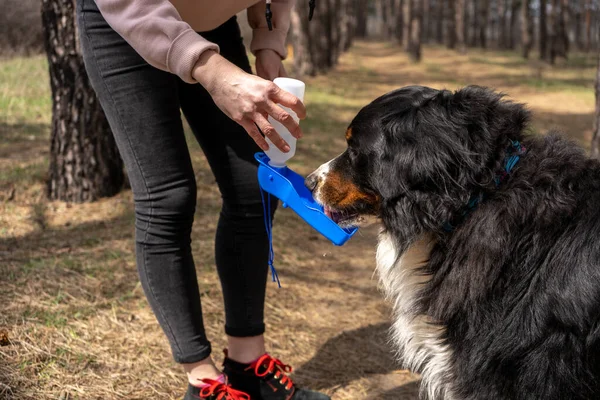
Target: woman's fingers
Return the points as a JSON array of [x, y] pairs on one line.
[[270, 132], [279, 114], [288, 100], [254, 133]]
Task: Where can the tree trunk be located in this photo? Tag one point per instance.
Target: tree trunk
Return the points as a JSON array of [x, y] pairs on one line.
[[502, 14], [543, 35], [299, 34], [84, 161], [415, 29], [425, 21], [451, 24], [596, 128], [392, 11], [386, 15], [526, 28], [318, 44], [484, 9], [578, 25], [399, 6], [565, 17], [348, 26], [362, 13], [588, 25], [407, 24], [467, 21], [514, 12], [440, 6], [559, 41], [552, 25], [380, 22], [472, 40], [459, 21]]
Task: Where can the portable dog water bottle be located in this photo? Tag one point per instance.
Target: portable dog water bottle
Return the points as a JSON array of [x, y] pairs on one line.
[[276, 178], [278, 158]]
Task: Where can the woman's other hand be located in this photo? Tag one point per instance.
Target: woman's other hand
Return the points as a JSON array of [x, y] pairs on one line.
[[249, 99], [269, 65]]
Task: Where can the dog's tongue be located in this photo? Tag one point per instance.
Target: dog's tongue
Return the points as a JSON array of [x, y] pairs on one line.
[[327, 211]]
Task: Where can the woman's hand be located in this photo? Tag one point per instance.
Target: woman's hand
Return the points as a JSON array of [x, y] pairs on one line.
[[269, 65], [248, 99]]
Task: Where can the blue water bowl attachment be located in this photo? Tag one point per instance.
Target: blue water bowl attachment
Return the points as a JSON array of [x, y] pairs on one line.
[[288, 187]]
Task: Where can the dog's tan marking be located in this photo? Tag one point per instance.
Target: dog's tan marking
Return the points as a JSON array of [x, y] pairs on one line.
[[340, 192], [348, 133]]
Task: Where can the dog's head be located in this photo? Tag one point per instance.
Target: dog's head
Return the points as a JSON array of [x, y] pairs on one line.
[[416, 155]]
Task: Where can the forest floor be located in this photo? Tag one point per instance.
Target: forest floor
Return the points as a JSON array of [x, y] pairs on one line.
[[74, 323]]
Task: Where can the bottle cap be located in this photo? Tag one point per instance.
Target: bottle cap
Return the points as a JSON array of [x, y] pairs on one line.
[[294, 86]]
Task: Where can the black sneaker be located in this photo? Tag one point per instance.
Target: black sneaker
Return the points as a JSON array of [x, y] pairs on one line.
[[266, 379], [214, 390]]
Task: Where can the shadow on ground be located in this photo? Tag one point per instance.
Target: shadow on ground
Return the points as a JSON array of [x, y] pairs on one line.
[[361, 353], [352, 355]]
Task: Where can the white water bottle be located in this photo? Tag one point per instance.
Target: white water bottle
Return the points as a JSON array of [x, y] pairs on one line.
[[278, 158]]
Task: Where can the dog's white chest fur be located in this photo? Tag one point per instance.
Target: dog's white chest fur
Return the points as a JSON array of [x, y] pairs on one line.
[[419, 340]]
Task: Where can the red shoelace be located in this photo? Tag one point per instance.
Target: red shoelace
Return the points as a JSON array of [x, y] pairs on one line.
[[221, 391], [266, 365]]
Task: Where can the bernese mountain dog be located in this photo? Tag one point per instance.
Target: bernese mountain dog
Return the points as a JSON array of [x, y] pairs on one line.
[[489, 247]]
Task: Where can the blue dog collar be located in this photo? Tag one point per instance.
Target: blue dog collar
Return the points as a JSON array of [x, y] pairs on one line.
[[512, 157]]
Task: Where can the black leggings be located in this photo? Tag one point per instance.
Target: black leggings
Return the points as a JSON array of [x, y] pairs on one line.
[[143, 105]]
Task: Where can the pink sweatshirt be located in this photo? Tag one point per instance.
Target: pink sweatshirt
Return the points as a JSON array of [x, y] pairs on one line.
[[163, 32]]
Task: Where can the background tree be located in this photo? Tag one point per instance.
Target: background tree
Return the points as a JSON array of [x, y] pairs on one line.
[[414, 48], [407, 24], [318, 43], [440, 13], [588, 24], [391, 22], [84, 161], [484, 9], [512, 31], [347, 29], [20, 28], [381, 15], [596, 129], [578, 24], [474, 25], [459, 21], [361, 14], [559, 41], [543, 30], [501, 28], [425, 21], [546, 25], [450, 17], [400, 21], [526, 28]]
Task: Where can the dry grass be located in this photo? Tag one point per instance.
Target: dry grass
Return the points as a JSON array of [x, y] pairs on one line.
[[74, 323]]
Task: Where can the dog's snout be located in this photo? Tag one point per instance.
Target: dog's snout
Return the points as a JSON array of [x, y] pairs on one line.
[[311, 181]]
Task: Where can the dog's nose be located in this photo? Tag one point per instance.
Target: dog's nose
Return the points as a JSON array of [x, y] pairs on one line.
[[311, 181]]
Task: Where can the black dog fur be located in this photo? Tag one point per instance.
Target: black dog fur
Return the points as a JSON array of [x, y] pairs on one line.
[[516, 283]]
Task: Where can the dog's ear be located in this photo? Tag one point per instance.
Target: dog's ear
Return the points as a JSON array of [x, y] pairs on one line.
[[441, 151], [489, 114], [428, 167]]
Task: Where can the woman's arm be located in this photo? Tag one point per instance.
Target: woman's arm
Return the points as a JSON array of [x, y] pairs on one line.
[[262, 38], [156, 31]]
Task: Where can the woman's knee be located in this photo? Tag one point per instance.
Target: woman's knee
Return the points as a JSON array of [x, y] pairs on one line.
[[168, 213]]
